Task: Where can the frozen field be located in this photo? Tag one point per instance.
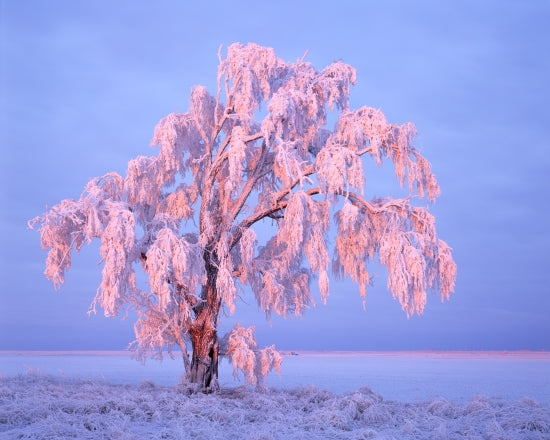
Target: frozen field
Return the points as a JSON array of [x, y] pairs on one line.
[[410, 395]]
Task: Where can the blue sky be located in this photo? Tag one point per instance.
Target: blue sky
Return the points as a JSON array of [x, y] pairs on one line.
[[84, 83]]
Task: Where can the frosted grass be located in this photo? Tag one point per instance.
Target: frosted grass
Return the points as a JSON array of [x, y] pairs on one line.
[[112, 396], [45, 407]]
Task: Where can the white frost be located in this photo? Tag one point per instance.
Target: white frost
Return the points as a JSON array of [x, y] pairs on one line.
[[44, 407]]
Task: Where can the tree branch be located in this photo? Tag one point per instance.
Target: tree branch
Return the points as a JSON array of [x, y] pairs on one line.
[[359, 201], [218, 95], [239, 203], [269, 212], [356, 199], [363, 151], [222, 154], [207, 143], [307, 172]]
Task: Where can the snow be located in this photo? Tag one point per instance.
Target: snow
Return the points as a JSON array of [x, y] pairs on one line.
[[406, 395]]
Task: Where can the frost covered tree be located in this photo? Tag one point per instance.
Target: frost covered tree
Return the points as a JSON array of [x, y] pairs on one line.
[[261, 149]]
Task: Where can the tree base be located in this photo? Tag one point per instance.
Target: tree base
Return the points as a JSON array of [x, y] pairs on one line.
[[204, 374]]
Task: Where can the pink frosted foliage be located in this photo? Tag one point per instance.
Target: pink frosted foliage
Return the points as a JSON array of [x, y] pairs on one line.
[[243, 352], [260, 151]]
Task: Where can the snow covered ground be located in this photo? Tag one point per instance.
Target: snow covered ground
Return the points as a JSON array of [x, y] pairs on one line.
[[406, 395]]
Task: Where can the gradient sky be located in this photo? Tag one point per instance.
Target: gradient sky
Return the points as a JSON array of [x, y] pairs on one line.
[[84, 83]]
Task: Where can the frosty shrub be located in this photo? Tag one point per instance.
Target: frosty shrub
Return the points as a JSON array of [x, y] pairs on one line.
[[260, 150]]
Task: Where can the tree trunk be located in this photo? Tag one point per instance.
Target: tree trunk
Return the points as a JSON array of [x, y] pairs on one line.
[[204, 337], [204, 362]]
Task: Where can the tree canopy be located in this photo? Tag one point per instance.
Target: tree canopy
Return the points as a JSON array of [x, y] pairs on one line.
[[260, 149]]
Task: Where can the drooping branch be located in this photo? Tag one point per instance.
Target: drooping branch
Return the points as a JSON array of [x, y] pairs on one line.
[[405, 240]]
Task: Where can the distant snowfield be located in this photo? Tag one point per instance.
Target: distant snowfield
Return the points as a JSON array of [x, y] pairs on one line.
[[333, 395], [404, 376]]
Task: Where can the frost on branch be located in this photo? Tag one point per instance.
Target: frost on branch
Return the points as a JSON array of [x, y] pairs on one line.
[[261, 150], [366, 131], [172, 260], [117, 251], [252, 71], [339, 171], [405, 240], [243, 353]]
